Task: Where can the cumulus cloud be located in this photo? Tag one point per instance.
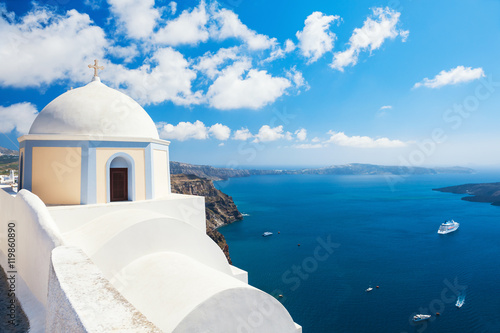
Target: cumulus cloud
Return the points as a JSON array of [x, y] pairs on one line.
[[242, 134], [166, 77], [210, 63], [44, 46], [220, 132], [137, 17], [316, 38], [189, 28], [301, 134], [240, 86], [341, 139], [183, 131], [173, 7], [228, 25], [127, 53], [308, 146], [94, 4], [376, 29], [186, 130], [456, 75], [266, 133], [17, 117], [297, 79], [279, 52]]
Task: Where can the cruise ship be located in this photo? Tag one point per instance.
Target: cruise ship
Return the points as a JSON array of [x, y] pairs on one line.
[[448, 226]]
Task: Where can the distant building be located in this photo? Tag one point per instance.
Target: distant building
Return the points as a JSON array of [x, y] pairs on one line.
[[102, 245], [10, 179]]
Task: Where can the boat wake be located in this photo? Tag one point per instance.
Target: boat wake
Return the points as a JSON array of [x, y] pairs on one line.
[[460, 301]]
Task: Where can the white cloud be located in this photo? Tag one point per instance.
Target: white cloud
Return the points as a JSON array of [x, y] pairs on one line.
[[228, 25], [17, 117], [266, 134], [127, 53], [183, 131], [297, 79], [339, 138], [242, 134], [315, 139], [316, 38], [288, 136], [456, 75], [137, 17], [197, 130], [169, 80], [189, 28], [173, 7], [209, 63], [308, 146], [385, 107], [221, 144], [289, 46], [376, 29], [220, 132], [279, 52], [234, 89], [43, 47], [301, 134], [94, 4]]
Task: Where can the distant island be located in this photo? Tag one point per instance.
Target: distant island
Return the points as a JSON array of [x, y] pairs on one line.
[[213, 173], [487, 192]]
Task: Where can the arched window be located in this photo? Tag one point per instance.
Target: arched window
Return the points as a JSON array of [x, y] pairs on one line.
[[120, 177]]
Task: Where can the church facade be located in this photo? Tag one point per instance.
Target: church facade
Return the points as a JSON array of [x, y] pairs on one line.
[[94, 145]]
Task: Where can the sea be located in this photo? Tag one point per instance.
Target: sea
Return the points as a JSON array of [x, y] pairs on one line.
[[334, 236]]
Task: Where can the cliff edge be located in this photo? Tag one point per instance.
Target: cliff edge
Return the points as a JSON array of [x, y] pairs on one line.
[[487, 192], [219, 207]]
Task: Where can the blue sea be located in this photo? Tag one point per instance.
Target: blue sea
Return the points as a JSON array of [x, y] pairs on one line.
[[357, 232]]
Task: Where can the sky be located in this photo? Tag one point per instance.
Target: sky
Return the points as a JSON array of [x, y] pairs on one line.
[[240, 83]]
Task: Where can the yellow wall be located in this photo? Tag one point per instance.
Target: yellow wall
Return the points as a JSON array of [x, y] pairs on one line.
[[160, 173], [56, 174], [102, 157]]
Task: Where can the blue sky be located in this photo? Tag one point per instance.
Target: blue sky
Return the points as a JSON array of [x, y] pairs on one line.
[[266, 83]]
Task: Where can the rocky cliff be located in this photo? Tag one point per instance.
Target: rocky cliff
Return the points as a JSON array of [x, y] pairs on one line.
[[5, 151], [219, 207], [209, 172], [206, 171], [487, 192]]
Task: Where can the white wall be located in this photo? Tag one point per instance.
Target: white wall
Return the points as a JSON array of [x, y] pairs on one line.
[[35, 237], [187, 208]]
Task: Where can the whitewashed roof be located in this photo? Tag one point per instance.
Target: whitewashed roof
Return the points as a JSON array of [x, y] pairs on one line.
[[96, 110]]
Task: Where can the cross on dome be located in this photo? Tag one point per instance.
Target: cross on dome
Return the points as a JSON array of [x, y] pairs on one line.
[[96, 67]]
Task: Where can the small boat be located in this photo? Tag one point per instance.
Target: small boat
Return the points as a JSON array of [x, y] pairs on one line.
[[267, 233], [420, 317], [460, 301], [369, 289], [448, 226]]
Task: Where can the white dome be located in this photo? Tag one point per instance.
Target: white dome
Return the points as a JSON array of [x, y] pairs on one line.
[[97, 110]]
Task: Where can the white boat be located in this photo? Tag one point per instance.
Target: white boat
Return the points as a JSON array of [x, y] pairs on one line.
[[448, 226], [267, 233], [460, 301], [369, 289], [420, 317]]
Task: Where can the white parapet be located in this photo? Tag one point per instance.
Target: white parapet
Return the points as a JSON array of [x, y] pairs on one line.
[[81, 300]]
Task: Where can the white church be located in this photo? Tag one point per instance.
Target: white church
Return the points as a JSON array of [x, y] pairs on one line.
[[100, 244]]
